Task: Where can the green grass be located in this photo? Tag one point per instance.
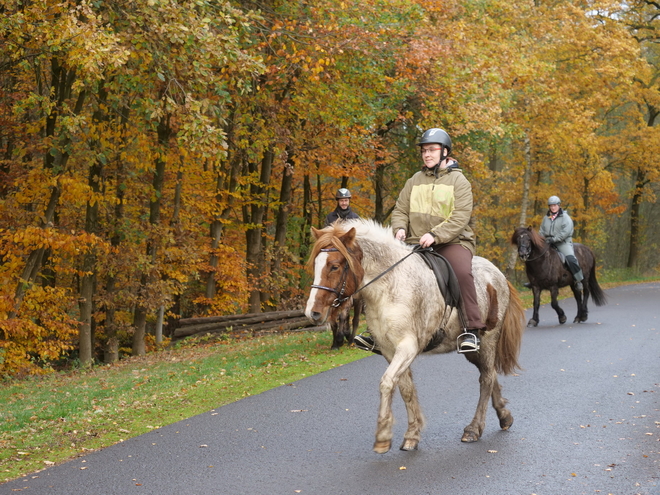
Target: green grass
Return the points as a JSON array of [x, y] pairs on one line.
[[53, 418]]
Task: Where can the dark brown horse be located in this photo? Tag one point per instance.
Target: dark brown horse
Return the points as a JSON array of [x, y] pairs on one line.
[[546, 271], [343, 328]]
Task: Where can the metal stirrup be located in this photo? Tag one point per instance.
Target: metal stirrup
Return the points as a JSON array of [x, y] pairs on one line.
[[467, 337]]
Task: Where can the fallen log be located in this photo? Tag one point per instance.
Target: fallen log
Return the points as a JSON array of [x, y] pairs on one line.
[[282, 324], [256, 317]]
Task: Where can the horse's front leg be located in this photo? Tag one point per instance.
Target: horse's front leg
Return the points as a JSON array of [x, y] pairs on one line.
[[415, 416], [534, 320], [400, 362], [554, 292]]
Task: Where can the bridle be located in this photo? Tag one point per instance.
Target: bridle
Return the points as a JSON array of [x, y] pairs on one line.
[[547, 247], [339, 300]]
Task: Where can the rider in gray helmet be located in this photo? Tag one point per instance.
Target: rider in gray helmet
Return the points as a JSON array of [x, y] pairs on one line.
[[557, 228], [434, 209], [343, 210]]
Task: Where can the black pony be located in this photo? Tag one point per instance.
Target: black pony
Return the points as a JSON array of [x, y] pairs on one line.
[[545, 270]]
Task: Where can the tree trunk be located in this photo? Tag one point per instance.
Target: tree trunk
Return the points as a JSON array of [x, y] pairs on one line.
[[279, 244], [379, 187], [140, 315], [61, 85], [633, 250], [524, 204], [111, 347], [255, 218], [303, 249], [88, 282]]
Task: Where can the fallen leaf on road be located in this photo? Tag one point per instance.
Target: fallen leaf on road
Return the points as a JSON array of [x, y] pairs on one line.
[[402, 468]]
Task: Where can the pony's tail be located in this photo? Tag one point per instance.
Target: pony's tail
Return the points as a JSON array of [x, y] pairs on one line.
[[508, 345], [596, 292]]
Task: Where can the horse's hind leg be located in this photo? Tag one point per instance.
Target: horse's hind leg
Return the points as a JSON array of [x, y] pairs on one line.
[[499, 404], [415, 416], [487, 381], [583, 312]]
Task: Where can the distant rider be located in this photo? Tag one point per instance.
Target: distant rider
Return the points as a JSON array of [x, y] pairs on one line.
[[343, 210], [557, 228]]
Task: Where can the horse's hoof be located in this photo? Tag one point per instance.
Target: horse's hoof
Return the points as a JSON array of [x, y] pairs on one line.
[[382, 447], [562, 320], [506, 422], [469, 437], [532, 323], [580, 319], [409, 444]]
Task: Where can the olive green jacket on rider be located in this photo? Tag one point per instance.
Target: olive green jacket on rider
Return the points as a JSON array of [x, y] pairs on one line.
[[439, 204]]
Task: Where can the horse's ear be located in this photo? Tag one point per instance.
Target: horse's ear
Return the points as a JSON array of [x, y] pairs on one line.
[[316, 233], [348, 237], [529, 227]]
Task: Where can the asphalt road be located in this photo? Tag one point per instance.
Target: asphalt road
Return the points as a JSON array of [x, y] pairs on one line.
[[586, 410]]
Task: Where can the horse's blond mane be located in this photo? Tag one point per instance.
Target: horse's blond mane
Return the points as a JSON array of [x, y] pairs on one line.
[[364, 229]]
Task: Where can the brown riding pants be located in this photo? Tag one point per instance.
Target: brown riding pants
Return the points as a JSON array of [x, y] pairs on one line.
[[460, 259]]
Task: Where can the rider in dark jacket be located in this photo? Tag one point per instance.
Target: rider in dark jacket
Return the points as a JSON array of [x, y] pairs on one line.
[[343, 210]]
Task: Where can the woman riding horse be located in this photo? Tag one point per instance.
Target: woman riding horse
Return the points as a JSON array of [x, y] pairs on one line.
[[557, 228], [434, 210]]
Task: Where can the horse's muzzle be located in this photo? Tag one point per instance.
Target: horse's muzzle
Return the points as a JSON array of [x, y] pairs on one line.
[[316, 317]]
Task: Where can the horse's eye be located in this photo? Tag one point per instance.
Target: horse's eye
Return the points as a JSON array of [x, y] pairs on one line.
[[334, 268]]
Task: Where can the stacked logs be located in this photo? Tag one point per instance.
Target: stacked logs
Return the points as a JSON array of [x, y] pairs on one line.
[[274, 321]]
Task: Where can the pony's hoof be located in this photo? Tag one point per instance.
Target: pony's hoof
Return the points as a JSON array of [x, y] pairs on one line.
[[409, 444], [562, 320], [506, 422], [469, 437], [532, 323], [580, 319], [382, 447]]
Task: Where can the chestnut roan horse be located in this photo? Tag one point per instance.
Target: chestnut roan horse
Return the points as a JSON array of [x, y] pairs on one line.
[[405, 311], [546, 271]]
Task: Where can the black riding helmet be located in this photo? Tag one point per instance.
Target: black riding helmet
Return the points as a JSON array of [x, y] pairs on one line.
[[436, 136], [343, 193]]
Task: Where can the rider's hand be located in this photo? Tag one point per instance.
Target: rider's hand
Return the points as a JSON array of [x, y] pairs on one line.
[[400, 234], [426, 240]]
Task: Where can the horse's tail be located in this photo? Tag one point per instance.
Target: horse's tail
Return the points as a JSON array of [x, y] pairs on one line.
[[508, 345], [596, 292]]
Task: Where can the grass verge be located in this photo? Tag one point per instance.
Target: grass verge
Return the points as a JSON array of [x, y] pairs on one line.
[[50, 419]]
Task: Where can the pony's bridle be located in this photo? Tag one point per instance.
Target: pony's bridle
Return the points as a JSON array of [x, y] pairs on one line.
[[339, 300], [341, 287], [547, 247]]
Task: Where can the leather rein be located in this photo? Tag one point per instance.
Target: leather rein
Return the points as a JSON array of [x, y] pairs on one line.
[[341, 287]]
